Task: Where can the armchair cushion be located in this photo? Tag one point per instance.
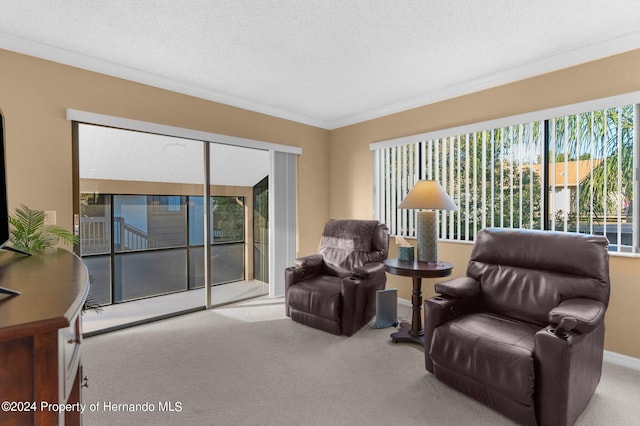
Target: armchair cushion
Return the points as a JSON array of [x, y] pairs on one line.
[[524, 273], [492, 351], [349, 235], [348, 244], [459, 287], [589, 313], [320, 295]]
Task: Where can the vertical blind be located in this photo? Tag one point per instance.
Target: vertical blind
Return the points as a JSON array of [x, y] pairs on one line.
[[573, 173]]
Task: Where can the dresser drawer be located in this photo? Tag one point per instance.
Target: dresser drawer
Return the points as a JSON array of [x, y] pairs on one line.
[[70, 339]]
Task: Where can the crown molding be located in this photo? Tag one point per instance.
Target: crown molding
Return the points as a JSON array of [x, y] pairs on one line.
[[66, 57], [544, 65]]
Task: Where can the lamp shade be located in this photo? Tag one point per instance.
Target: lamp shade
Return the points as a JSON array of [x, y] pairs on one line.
[[427, 194]]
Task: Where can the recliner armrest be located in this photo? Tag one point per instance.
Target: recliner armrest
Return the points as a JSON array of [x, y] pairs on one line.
[[311, 261], [437, 311], [458, 287], [304, 268], [307, 266], [367, 270], [588, 313]]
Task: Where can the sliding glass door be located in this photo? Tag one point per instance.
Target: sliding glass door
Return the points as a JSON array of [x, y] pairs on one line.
[[234, 171], [261, 230], [142, 209], [134, 192]]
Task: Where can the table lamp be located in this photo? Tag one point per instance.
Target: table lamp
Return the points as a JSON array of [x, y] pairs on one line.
[[427, 194]]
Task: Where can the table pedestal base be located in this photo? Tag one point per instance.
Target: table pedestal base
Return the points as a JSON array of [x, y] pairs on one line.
[[416, 270], [404, 335]]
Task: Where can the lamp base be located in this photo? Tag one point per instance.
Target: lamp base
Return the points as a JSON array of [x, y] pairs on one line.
[[427, 236]]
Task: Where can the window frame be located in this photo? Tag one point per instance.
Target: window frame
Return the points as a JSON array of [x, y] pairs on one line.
[[160, 205], [501, 123]]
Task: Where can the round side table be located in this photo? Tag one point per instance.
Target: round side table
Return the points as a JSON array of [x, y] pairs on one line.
[[416, 270]]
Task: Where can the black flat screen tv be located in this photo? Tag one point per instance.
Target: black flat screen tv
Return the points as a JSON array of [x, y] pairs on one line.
[[5, 226], [4, 206]]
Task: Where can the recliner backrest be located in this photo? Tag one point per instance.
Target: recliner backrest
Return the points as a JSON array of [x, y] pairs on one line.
[[349, 244], [525, 273]]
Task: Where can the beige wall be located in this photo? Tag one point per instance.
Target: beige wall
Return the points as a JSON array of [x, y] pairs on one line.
[[334, 170], [34, 96], [351, 164]]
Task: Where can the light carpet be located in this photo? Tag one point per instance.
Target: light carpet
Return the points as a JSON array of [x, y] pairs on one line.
[[248, 364]]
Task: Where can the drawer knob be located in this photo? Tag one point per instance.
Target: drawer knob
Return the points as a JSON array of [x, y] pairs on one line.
[[73, 341]]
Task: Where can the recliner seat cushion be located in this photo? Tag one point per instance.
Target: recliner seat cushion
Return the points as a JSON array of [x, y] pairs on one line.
[[496, 352], [319, 295]]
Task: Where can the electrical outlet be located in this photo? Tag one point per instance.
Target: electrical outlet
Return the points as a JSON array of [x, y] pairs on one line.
[[49, 217]]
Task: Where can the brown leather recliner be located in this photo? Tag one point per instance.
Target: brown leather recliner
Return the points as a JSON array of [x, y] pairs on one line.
[[334, 290], [523, 332]]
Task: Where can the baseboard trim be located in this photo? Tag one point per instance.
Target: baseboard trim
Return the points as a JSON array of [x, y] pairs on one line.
[[611, 357], [404, 302], [622, 360]]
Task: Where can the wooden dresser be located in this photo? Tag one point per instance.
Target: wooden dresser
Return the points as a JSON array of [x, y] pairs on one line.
[[40, 338]]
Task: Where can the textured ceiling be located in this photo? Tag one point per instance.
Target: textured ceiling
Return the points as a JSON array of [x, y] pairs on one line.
[[327, 63]]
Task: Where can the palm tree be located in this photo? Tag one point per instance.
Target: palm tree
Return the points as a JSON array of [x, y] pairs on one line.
[[606, 136]]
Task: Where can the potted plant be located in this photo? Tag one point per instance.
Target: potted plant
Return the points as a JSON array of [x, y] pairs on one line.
[[29, 233]]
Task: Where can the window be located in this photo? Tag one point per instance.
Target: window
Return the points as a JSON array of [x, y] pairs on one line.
[[150, 253], [572, 172]]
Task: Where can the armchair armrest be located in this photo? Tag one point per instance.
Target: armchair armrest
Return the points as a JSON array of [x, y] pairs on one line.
[[358, 295], [304, 268], [458, 287], [437, 311], [311, 261], [352, 295], [368, 269], [587, 313], [568, 369]]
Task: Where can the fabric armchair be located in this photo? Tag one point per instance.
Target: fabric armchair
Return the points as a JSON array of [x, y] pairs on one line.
[[523, 332], [334, 290]]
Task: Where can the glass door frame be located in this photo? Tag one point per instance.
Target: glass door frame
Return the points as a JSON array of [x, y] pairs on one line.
[[282, 184]]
